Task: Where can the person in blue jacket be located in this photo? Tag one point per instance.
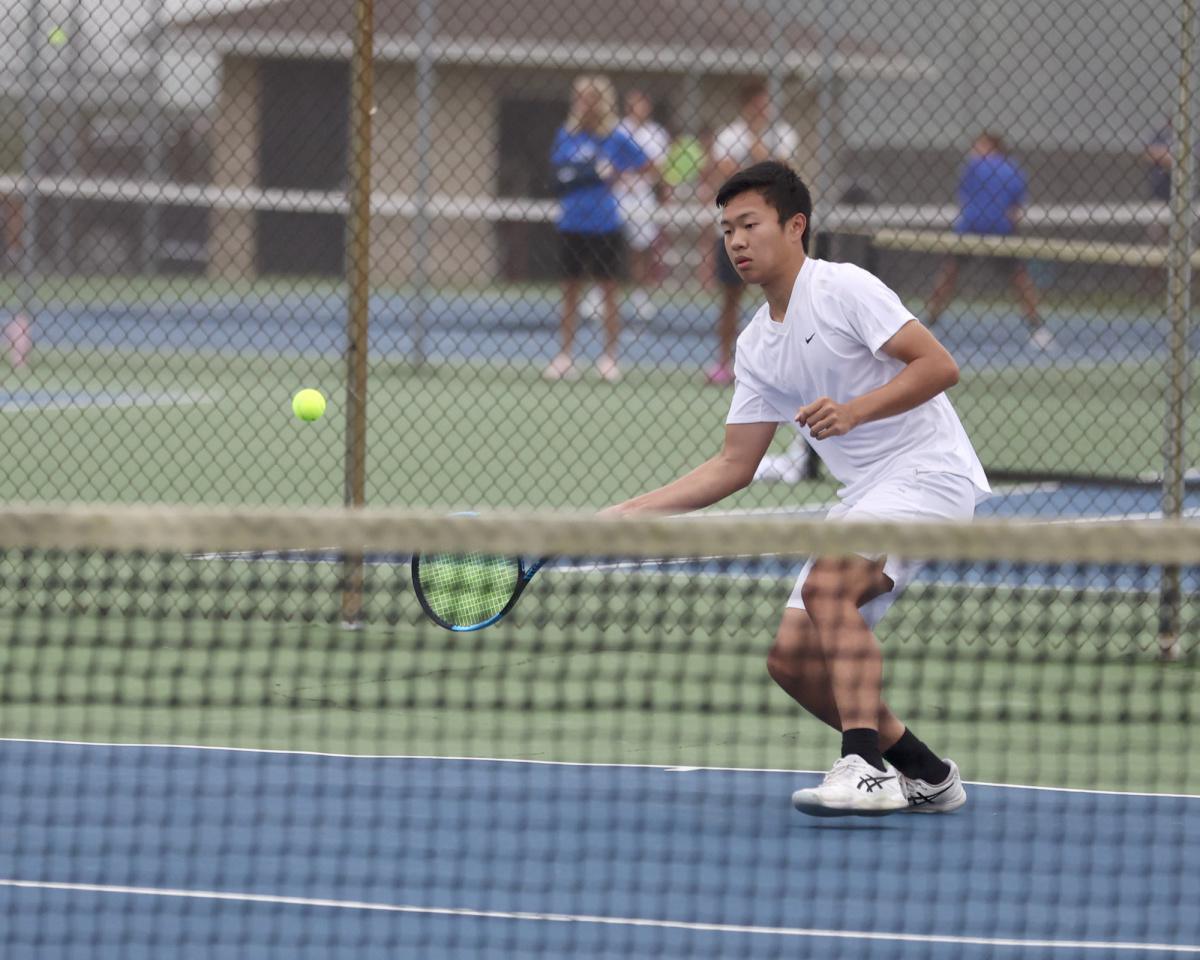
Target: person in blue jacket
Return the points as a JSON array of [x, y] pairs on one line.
[[991, 193], [589, 152]]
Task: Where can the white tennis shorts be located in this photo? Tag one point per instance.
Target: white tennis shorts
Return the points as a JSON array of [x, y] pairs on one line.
[[638, 207], [907, 496]]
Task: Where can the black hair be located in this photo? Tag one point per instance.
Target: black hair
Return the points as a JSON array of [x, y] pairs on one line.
[[780, 186]]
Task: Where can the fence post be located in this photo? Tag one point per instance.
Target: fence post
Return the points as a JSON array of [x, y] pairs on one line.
[[358, 269], [1179, 282]]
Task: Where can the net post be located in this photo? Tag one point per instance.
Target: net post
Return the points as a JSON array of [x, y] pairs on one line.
[[1179, 273], [358, 299]]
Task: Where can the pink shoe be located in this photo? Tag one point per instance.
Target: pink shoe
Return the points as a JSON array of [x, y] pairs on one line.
[[719, 375], [19, 340]]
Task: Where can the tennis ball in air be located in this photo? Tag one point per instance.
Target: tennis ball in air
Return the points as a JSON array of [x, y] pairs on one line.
[[58, 37], [308, 404]]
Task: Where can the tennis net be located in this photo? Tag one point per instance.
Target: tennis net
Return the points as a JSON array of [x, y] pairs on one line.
[[233, 732]]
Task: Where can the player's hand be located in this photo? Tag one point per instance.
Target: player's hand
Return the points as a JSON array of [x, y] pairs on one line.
[[825, 418]]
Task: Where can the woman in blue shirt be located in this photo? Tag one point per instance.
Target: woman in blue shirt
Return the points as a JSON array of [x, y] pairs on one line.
[[589, 152]]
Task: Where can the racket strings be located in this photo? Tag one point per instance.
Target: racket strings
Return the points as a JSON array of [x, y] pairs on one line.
[[467, 589]]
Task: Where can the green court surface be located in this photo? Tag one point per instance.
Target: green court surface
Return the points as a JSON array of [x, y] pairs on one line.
[[1019, 686], [218, 429]]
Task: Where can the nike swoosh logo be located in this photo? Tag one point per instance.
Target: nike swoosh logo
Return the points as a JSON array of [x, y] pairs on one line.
[[808, 339]]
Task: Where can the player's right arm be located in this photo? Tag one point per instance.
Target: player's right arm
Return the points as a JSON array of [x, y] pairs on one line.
[[715, 479]]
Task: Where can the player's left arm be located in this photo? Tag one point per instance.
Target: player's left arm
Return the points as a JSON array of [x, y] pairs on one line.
[[928, 370]]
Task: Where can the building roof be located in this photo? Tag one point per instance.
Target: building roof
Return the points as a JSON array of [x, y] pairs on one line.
[[708, 36]]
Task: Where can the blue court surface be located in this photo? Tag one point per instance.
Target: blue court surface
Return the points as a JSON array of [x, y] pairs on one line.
[[519, 325], [129, 852]]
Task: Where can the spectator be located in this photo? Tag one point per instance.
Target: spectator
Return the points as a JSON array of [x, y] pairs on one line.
[[589, 152], [687, 178], [685, 165], [751, 138], [1158, 156], [637, 193], [991, 193]]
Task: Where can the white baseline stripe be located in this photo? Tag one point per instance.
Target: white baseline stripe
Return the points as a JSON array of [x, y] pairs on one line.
[[102, 401], [607, 921], [544, 763]]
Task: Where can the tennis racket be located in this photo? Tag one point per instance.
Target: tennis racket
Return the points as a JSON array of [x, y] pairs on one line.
[[465, 592]]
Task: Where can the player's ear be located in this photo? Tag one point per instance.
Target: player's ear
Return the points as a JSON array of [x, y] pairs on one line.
[[796, 227]]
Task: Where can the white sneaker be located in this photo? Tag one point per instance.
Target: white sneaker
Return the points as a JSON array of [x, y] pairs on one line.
[[607, 367], [787, 467], [561, 367], [853, 788], [591, 305], [1042, 338], [643, 307], [935, 797]]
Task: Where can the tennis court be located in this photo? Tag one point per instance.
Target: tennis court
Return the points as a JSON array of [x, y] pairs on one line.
[[199, 758], [403, 853], [200, 380], [230, 723]]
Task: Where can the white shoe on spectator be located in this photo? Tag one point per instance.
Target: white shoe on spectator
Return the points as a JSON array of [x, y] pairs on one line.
[[607, 367], [643, 306], [561, 367], [591, 305], [788, 467], [1042, 338]]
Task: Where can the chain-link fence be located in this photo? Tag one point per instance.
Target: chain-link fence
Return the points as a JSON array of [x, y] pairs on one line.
[[178, 182]]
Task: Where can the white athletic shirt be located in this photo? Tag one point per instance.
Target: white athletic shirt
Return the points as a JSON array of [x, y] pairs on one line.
[[635, 190], [828, 345]]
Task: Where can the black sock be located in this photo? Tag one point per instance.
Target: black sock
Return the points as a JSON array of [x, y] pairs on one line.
[[864, 742], [916, 761]]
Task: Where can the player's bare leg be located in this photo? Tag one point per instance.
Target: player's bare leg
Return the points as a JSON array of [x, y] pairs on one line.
[[804, 664], [832, 593], [797, 663], [859, 783], [943, 291]]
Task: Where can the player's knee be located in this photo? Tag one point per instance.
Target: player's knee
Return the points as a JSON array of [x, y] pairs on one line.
[[794, 645], [823, 598]]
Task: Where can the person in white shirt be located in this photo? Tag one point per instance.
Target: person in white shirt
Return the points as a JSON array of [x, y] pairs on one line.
[[751, 138], [835, 353], [637, 194]]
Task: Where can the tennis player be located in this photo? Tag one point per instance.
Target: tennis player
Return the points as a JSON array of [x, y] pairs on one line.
[[834, 352]]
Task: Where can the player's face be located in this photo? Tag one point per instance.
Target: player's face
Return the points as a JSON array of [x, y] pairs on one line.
[[757, 244]]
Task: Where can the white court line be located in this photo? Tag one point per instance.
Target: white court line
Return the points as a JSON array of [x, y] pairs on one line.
[[99, 400], [672, 768], [809, 932]]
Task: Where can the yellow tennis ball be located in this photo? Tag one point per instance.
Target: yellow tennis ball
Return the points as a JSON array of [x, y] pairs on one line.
[[58, 37], [308, 404]]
